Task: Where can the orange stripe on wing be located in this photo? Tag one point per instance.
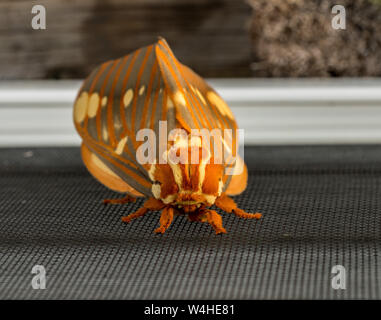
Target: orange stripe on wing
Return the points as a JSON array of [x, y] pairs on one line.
[[164, 107], [126, 130], [161, 54], [154, 105], [99, 111], [136, 95], [198, 107], [199, 117], [149, 90], [128, 172], [178, 65], [93, 84], [110, 122], [211, 122], [225, 124], [108, 149], [125, 80]]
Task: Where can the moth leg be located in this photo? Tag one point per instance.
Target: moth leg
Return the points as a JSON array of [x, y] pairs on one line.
[[123, 200], [150, 204], [165, 219], [227, 204], [210, 216], [215, 220], [139, 213]]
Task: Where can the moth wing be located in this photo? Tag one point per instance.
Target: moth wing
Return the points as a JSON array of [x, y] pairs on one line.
[[176, 86], [217, 114], [118, 99], [198, 106], [238, 182], [103, 174], [125, 95]]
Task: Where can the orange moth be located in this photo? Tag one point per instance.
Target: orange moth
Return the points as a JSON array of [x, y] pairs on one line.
[[123, 110]]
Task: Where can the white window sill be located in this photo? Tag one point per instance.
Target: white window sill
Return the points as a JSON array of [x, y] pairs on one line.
[[303, 111]]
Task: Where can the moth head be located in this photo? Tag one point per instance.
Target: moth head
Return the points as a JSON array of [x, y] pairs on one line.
[[185, 183]]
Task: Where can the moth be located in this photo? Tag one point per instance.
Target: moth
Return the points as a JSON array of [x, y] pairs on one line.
[[150, 91]]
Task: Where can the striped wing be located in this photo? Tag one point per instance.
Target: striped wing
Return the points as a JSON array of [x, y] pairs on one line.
[[122, 96], [198, 106], [119, 98]]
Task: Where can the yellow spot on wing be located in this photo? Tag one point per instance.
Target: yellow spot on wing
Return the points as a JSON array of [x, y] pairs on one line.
[[80, 107], [93, 105], [141, 90], [120, 146], [200, 96], [99, 163], [105, 134], [179, 98], [169, 103], [220, 104], [128, 97], [117, 124], [104, 101]]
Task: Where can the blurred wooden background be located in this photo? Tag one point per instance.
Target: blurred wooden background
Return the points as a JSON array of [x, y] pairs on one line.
[[216, 38], [210, 36]]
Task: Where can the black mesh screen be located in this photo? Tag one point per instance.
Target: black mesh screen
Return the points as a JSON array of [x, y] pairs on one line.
[[321, 207]]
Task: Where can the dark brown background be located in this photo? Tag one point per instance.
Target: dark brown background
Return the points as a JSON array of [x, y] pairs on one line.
[[217, 38], [210, 36]]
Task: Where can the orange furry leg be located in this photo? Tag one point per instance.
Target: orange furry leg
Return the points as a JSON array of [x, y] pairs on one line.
[[210, 216], [215, 220], [243, 214], [165, 219], [139, 213], [150, 205], [123, 200], [227, 204]]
